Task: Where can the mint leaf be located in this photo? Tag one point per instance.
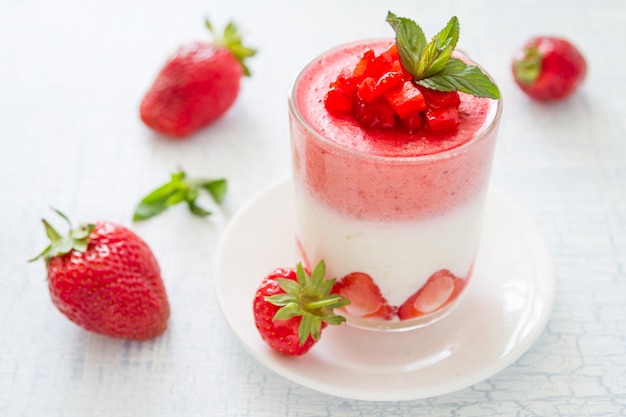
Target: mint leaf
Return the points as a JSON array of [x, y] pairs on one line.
[[410, 40], [179, 190], [431, 64], [146, 210], [217, 188], [197, 210], [439, 50], [458, 76]]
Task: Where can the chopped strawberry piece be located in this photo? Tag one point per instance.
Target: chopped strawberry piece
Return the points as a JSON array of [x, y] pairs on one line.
[[442, 119], [363, 67], [440, 289], [391, 55], [387, 82], [365, 91], [459, 284], [406, 100], [342, 82], [377, 114], [439, 99], [383, 62], [396, 66], [372, 88], [414, 122], [366, 300], [338, 101]]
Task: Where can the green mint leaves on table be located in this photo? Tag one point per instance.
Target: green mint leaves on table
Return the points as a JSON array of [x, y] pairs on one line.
[[178, 190]]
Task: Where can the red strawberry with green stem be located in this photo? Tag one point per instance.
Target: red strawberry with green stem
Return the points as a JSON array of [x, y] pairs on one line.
[[291, 308], [413, 85], [197, 85], [549, 68], [104, 278]]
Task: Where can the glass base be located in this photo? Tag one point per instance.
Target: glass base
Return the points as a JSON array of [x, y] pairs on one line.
[[404, 325]]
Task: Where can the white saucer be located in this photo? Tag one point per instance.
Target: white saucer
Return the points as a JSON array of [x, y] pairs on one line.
[[506, 307]]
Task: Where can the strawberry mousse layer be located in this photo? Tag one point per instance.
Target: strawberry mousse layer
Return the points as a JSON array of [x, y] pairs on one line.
[[399, 207]]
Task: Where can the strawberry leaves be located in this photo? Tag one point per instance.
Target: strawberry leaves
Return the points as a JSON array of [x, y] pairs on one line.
[[311, 298], [178, 190], [431, 63], [77, 239], [231, 39]]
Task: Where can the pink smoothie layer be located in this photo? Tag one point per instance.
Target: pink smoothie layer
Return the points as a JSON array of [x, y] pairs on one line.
[[372, 175]]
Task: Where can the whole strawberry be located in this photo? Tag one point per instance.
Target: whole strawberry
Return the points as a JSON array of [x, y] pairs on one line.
[[197, 85], [292, 307], [104, 278], [549, 68]]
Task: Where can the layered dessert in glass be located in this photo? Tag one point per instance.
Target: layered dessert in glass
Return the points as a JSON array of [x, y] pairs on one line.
[[395, 213]]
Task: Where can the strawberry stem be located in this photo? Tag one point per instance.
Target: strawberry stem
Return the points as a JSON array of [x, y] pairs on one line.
[[527, 69], [315, 305], [77, 239], [231, 39], [309, 297]]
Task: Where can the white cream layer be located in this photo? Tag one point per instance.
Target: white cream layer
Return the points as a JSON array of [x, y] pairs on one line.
[[400, 256]]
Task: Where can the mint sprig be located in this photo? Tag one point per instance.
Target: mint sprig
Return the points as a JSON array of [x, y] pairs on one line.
[[180, 189], [458, 76], [410, 40], [431, 63]]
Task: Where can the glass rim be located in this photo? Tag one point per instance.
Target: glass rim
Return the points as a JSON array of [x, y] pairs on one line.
[[491, 121]]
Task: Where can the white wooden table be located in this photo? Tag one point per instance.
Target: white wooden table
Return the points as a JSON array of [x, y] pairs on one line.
[[72, 74]]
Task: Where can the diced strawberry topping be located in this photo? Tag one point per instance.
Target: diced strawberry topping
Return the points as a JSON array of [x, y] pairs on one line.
[[414, 122], [387, 82], [388, 58], [406, 105], [396, 66], [364, 67], [442, 119], [377, 114], [440, 289], [438, 99], [366, 300], [338, 101], [372, 88], [406, 100], [365, 91]]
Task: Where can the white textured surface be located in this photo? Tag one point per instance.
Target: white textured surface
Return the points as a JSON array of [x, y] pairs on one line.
[[71, 76]]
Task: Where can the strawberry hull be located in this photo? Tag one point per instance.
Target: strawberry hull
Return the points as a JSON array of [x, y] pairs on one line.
[[397, 206]]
